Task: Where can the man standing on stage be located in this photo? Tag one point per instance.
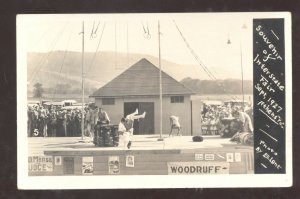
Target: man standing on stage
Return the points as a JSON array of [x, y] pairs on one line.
[[103, 117], [174, 122]]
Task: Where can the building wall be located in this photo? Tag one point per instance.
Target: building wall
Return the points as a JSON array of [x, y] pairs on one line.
[[182, 110], [197, 107]]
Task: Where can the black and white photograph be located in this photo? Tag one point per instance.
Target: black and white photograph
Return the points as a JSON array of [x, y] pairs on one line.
[[173, 100], [87, 165], [129, 161]]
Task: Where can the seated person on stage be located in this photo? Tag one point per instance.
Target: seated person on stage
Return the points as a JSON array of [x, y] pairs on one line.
[[245, 119], [246, 124], [174, 122], [126, 126], [103, 117]]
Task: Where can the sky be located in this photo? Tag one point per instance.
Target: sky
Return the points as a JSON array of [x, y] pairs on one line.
[[207, 35]]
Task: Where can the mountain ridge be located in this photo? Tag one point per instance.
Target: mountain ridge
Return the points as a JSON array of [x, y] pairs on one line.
[[64, 67]]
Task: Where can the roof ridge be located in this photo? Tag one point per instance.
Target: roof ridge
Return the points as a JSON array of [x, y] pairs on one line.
[[171, 77], [120, 82], [116, 77]]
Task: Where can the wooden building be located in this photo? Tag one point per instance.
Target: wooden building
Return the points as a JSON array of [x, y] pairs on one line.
[[138, 87]]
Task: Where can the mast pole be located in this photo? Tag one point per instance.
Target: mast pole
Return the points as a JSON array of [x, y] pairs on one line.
[[160, 84], [82, 83], [242, 73]]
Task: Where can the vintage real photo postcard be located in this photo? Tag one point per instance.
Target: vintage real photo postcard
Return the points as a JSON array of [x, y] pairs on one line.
[[154, 100]]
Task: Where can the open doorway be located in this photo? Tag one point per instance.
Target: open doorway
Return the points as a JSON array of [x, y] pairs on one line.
[[142, 126]]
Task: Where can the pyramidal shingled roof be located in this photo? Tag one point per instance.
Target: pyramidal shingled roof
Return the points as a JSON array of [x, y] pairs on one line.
[[141, 79]]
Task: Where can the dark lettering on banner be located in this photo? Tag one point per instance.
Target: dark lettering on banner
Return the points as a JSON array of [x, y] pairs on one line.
[[209, 167], [269, 95], [40, 163]]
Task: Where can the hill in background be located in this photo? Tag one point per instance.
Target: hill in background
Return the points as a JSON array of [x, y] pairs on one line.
[[60, 72], [227, 86]]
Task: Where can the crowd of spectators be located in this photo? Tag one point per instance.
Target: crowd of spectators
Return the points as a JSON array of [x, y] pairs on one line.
[[212, 116], [54, 121]]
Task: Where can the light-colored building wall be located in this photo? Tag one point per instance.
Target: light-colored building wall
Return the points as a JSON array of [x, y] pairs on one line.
[[115, 112], [197, 107], [182, 110]]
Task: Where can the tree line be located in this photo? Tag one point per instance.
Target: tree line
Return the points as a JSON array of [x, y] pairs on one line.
[[39, 90], [227, 86]]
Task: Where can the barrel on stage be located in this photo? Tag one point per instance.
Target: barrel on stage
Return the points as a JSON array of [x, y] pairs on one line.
[[246, 138], [116, 140], [115, 134], [106, 135], [99, 141]]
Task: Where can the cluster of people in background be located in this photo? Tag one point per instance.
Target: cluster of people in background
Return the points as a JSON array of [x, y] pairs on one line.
[[56, 122], [212, 117]]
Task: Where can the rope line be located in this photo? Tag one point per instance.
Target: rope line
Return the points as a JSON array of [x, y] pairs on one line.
[[200, 62], [47, 55], [94, 56], [63, 62]]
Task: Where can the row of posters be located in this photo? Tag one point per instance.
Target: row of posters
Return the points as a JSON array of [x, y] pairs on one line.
[[113, 164]]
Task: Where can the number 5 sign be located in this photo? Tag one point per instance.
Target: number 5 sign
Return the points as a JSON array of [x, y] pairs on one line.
[[36, 132]]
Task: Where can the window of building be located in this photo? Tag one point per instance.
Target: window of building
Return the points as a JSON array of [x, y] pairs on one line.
[[108, 101], [177, 99]]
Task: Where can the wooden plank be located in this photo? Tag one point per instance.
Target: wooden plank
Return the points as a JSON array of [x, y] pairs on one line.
[[40, 173], [145, 172], [100, 166], [68, 165], [164, 158], [57, 170], [128, 172], [110, 152], [237, 168], [223, 149], [168, 158], [78, 165], [146, 166], [149, 158]]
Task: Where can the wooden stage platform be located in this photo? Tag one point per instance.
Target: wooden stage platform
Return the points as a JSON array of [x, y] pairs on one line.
[[177, 155]]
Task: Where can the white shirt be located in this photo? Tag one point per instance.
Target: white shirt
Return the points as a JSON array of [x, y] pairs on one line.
[[122, 127], [175, 120]]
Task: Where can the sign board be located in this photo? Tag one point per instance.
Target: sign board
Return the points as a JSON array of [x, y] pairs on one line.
[[113, 165], [57, 160], [40, 164], [87, 165], [237, 157], [199, 156], [229, 157], [68, 165], [129, 161], [198, 168], [209, 156]]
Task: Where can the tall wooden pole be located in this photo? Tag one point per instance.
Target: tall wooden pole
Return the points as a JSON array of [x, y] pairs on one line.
[[160, 84], [82, 83], [242, 73]]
